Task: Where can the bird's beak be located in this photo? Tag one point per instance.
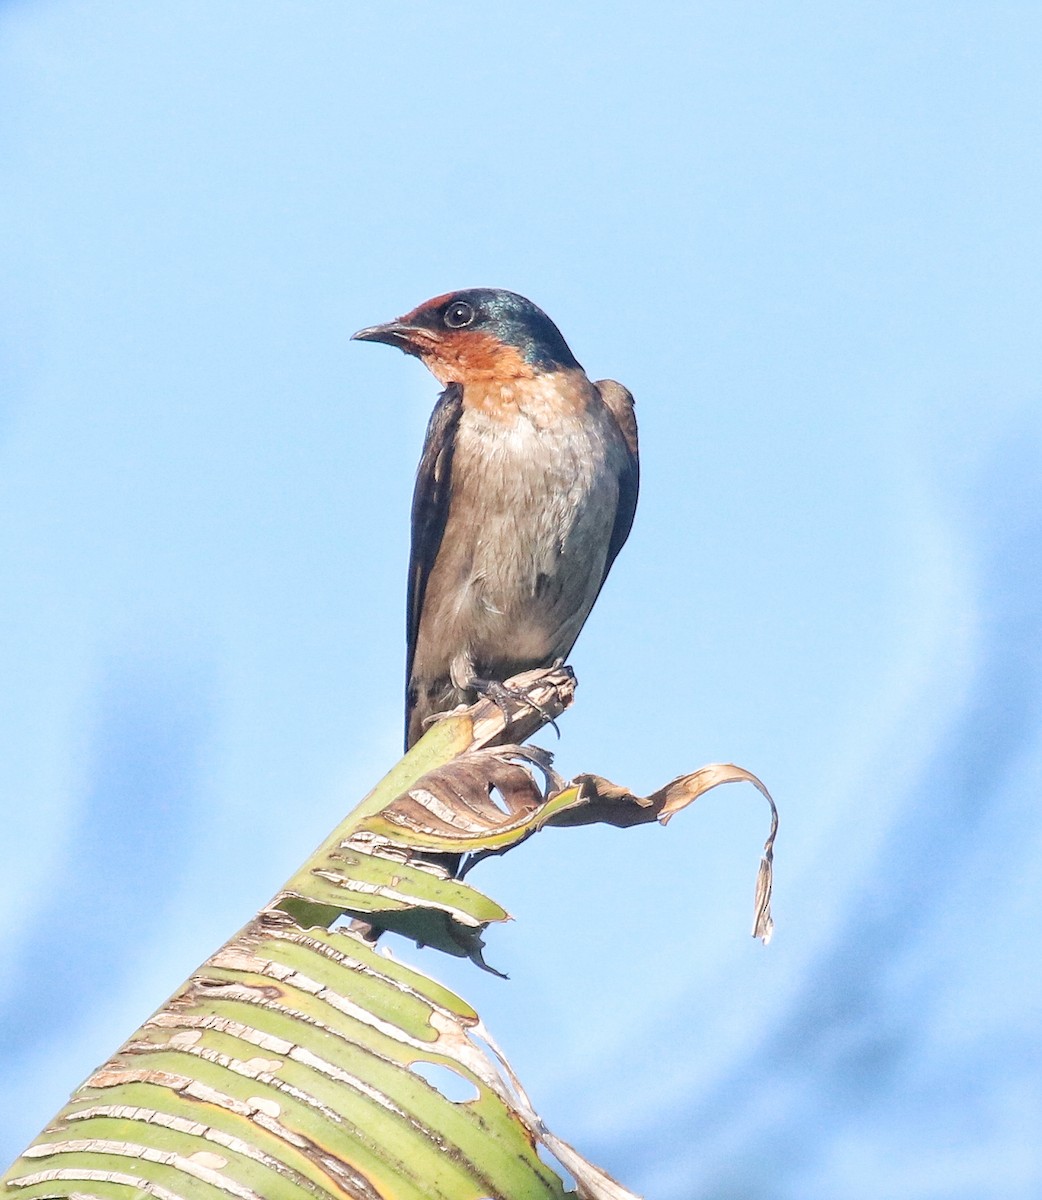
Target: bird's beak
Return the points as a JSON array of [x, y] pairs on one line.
[[409, 338]]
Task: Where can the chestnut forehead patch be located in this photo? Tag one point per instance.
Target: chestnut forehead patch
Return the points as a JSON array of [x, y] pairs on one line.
[[428, 308]]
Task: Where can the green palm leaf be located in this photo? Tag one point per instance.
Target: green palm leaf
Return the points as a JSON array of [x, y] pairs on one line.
[[295, 1063]]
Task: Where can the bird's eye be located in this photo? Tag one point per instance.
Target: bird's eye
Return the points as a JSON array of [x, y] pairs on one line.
[[459, 314]]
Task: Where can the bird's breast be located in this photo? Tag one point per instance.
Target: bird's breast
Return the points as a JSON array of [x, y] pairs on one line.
[[533, 505]]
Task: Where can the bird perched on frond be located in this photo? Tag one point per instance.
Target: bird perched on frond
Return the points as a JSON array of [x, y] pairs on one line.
[[525, 494]]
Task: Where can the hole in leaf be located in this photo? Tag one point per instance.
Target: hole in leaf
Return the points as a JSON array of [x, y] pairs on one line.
[[496, 797], [452, 1085], [554, 1163]]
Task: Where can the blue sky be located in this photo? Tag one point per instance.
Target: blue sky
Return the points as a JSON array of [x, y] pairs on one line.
[[807, 237]]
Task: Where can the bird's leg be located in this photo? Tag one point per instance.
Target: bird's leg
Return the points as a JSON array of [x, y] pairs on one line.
[[503, 696]]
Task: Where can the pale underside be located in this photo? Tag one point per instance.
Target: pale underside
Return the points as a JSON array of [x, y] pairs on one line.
[[534, 501]]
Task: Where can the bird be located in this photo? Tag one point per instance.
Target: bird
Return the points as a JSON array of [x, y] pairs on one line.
[[525, 493]]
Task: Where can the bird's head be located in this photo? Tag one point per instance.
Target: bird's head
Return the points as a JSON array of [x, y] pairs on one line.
[[478, 335]]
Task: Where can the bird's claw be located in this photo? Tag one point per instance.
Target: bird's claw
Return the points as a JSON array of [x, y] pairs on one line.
[[503, 696]]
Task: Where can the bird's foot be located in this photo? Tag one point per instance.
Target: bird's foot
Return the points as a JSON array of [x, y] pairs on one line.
[[503, 697]]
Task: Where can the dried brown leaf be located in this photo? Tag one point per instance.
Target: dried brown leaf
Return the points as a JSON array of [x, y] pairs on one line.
[[456, 804]]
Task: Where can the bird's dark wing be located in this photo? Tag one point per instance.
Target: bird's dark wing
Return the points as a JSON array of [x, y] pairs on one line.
[[430, 508], [620, 403]]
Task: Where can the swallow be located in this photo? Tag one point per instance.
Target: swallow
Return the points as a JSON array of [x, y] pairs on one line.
[[525, 494]]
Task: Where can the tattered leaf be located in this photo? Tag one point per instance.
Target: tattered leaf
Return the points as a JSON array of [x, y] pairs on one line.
[[290, 1064], [452, 808]]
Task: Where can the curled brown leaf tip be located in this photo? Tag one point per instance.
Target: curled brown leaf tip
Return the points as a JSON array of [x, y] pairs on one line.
[[601, 801], [763, 922]]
